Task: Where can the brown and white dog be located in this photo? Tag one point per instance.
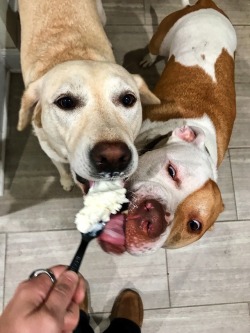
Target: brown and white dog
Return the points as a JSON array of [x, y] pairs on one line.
[[85, 109], [174, 195]]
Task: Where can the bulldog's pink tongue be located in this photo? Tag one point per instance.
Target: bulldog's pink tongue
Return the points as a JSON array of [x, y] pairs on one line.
[[112, 239]]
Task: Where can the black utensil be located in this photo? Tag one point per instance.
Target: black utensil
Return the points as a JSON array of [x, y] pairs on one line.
[[86, 238]]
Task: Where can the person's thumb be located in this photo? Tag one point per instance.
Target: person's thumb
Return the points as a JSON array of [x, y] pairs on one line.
[[61, 295]]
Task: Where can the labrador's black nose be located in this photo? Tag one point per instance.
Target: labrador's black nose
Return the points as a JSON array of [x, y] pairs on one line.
[[110, 157]]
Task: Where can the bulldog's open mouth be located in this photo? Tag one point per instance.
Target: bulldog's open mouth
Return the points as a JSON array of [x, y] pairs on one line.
[[141, 224], [136, 224], [148, 217]]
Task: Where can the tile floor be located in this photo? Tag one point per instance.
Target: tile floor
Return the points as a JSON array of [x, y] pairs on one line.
[[204, 287]]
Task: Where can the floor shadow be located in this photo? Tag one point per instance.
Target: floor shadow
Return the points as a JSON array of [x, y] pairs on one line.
[[133, 58], [30, 176]]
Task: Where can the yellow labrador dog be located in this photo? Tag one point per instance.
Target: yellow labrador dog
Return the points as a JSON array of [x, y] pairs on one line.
[[85, 109]]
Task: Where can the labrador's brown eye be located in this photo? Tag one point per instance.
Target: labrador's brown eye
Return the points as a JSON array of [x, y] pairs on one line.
[[66, 103], [128, 100]]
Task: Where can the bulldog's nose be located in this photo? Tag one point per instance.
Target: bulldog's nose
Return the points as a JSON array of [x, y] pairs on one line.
[[110, 157], [148, 219]]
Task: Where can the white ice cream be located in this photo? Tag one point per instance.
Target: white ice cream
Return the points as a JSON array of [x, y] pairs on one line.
[[104, 198]]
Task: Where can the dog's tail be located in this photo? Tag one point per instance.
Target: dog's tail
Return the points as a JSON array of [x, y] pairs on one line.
[[185, 3]]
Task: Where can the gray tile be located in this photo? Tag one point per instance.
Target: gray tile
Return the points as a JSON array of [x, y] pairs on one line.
[[242, 64], [225, 183], [33, 197], [240, 136], [121, 12], [229, 318], [156, 10], [216, 269], [2, 268], [47, 213], [240, 161], [25, 157], [106, 274], [130, 46], [237, 11]]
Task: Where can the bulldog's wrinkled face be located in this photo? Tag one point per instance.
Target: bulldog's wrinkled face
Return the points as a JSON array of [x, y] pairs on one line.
[[174, 198], [88, 113]]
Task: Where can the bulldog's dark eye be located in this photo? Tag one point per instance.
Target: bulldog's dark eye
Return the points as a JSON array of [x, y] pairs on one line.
[[171, 171], [128, 100], [194, 225], [66, 103]]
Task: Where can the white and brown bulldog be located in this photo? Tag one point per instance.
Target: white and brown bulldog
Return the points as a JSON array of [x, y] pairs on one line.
[[174, 195], [85, 109]]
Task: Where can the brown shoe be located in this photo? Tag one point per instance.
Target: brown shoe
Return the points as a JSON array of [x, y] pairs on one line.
[[128, 304]]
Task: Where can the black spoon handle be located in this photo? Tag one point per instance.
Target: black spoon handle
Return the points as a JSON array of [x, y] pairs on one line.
[[76, 261], [86, 238]]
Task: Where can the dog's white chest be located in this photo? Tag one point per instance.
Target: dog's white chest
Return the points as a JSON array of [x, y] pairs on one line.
[[198, 39]]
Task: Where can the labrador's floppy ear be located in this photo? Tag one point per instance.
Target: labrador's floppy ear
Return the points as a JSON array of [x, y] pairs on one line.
[[30, 106], [147, 97]]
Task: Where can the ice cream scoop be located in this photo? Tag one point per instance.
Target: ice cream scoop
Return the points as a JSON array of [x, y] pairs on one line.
[[103, 199]]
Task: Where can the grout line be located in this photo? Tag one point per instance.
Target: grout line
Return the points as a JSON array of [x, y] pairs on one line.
[[232, 221], [169, 293], [37, 231], [235, 202], [201, 305], [239, 148], [183, 307]]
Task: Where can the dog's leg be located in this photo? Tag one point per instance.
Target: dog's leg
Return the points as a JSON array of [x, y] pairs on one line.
[[148, 60], [65, 177], [155, 43]]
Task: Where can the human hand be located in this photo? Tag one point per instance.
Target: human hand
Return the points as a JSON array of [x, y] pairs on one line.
[[40, 306]]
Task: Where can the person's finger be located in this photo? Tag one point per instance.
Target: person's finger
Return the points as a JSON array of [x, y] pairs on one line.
[[61, 295], [82, 284], [81, 287], [71, 317], [80, 290], [58, 270], [32, 293]]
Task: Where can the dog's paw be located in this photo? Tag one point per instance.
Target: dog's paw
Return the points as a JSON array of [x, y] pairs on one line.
[[67, 182], [148, 60]]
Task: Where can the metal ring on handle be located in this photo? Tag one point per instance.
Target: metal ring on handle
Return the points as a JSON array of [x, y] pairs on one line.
[[38, 272]]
